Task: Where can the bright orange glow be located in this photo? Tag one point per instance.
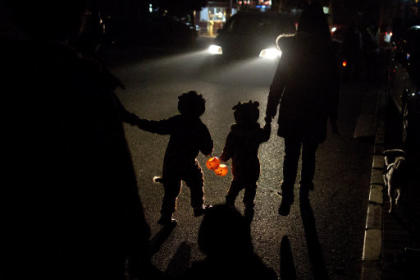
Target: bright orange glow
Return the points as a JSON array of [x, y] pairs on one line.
[[344, 63], [212, 163], [221, 170]]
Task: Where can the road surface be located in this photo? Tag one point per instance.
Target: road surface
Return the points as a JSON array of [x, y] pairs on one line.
[[326, 237]]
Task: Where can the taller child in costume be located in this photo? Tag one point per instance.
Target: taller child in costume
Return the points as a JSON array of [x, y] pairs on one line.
[[189, 136]]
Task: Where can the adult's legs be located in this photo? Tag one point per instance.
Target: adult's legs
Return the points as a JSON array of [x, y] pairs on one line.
[[308, 163], [290, 166]]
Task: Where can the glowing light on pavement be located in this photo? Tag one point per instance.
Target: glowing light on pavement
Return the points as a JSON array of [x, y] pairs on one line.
[[270, 53]]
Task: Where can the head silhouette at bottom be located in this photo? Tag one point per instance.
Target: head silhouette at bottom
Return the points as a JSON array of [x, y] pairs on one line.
[[224, 237]]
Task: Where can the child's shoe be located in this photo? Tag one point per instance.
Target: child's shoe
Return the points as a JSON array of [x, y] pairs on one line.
[[201, 210], [284, 208], [167, 220]]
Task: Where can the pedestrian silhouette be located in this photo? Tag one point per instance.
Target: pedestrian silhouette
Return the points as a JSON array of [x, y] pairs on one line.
[[370, 50], [352, 50], [224, 237], [68, 156], [241, 146], [188, 136], [306, 87]]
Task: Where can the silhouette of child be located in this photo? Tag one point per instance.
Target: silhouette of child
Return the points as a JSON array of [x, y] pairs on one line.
[[242, 146], [188, 136], [225, 238]]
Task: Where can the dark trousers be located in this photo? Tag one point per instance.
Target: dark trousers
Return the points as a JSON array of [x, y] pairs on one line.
[[249, 196], [193, 178], [290, 164]]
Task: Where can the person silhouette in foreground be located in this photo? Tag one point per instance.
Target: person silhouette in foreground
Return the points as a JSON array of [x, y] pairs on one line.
[[224, 237], [84, 219], [306, 86], [241, 146], [189, 136]]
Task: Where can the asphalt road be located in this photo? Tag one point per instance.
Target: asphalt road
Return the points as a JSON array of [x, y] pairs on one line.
[[326, 238]]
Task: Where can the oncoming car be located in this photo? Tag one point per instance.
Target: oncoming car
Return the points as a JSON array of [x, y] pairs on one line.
[[252, 34]]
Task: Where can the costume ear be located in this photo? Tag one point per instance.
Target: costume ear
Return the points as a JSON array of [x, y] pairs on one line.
[[236, 106], [256, 104]]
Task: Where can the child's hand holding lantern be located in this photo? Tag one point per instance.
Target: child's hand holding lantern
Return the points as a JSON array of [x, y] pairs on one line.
[[221, 170], [213, 163]]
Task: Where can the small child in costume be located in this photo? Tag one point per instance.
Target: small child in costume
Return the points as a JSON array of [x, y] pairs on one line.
[[188, 136], [242, 144]]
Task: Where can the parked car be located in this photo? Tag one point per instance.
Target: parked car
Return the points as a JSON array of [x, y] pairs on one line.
[[93, 31], [153, 31], [164, 30], [252, 34], [405, 85]]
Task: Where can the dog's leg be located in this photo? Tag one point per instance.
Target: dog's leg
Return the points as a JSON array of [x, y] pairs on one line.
[[388, 184], [398, 191]]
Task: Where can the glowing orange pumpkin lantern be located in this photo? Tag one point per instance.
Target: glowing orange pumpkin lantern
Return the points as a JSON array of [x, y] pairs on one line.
[[221, 170], [212, 163]]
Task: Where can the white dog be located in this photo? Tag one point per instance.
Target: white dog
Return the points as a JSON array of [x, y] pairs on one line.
[[394, 175]]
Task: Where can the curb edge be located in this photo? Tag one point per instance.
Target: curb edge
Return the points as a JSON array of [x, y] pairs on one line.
[[373, 236]]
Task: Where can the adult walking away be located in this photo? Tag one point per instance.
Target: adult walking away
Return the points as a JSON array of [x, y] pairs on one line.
[[73, 188], [306, 86]]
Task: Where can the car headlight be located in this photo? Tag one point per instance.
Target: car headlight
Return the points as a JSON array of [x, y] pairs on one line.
[[215, 49], [270, 53]]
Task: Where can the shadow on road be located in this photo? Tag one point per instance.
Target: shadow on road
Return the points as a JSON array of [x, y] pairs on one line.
[[287, 264], [160, 238], [316, 256], [180, 261]]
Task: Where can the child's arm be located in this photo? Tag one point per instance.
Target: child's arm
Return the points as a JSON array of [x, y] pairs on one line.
[[159, 127], [125, 115], [265, 133], [228, 149]]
